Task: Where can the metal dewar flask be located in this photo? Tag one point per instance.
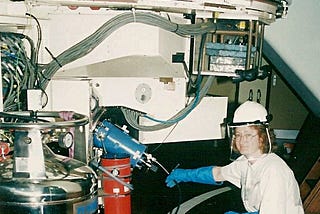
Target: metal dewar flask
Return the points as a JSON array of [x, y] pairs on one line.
[[33, 179]]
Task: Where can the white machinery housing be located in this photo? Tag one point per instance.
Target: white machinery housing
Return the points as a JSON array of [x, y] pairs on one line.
[[144, 83]]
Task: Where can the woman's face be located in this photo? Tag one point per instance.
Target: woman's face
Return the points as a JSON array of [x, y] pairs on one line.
[[248, 141]]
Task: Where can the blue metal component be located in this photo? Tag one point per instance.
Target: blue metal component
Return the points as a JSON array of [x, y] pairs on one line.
[[116, 142], [228, 50]]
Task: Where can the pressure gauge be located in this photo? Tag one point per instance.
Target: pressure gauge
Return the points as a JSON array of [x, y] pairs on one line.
[[66, 140]]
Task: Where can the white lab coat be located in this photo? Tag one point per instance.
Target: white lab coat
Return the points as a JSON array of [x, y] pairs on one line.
[[267, 186]]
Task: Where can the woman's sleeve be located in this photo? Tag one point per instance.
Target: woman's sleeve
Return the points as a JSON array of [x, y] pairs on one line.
[[232, 172]]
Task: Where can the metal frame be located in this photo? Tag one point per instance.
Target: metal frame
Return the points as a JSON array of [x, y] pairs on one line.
[[265, 10]]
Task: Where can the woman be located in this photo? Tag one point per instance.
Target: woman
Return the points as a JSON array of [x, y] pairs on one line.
[[268, 185]]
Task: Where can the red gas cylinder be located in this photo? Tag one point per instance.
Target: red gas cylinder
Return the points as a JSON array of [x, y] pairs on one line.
[[117, 198]]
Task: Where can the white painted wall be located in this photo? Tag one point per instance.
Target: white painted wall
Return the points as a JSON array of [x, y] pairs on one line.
[[296, 40]]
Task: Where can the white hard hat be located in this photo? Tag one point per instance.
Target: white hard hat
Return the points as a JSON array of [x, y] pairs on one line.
[[250, 112]]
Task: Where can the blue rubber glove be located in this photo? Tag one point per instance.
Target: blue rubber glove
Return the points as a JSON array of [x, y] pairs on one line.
[[200, 175], [231, 212]]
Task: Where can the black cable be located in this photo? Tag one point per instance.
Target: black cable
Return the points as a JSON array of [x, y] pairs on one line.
[[53, 57], [176, 184], [180, 198], [193, 84], [39, 37], [170, 132], [47, 98], [35, 61]]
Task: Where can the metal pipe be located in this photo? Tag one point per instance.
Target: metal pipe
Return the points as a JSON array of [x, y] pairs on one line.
[[102, 169], [78, 120], [261, 45], [256, 35], [248, 56]]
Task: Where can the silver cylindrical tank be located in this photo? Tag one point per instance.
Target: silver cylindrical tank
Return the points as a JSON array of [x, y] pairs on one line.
[[34, 180]]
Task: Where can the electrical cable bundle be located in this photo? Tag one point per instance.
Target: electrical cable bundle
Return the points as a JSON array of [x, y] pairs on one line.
[[18, 70], [89, 43], [133, 117], [22, 72]]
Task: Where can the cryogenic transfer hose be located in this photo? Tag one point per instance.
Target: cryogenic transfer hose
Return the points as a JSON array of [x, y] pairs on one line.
[[89, 43]]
